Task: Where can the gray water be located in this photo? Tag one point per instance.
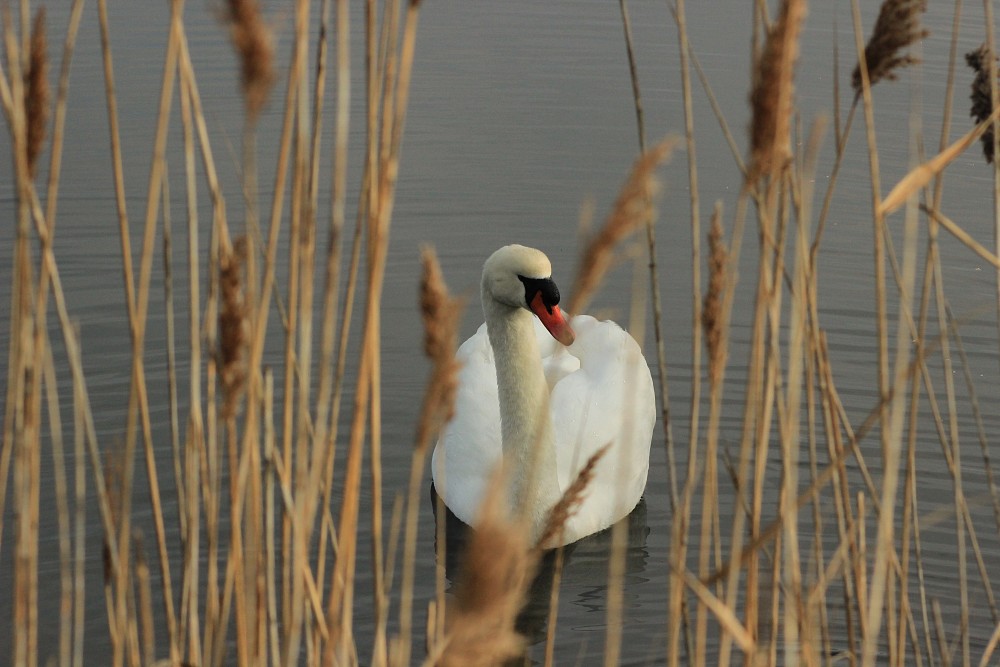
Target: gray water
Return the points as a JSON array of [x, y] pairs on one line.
[[519, 113]]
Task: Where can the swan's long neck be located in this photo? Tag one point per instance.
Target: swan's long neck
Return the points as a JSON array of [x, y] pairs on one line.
[[525, 424]]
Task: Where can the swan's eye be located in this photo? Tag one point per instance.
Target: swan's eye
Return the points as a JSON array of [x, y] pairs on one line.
[[544, 286]]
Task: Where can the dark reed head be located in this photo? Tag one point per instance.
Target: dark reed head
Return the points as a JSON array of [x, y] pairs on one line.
[[981, 96], [896, 28]]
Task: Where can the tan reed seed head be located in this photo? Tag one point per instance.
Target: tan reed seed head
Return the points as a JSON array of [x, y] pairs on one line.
[[711, 312], [441, 314], [496, 570], [632, 209], [896, 28], [113, 469], [36, 92], [982, 98], [772, 92], [570, 502], [254, 44], [232, 325]]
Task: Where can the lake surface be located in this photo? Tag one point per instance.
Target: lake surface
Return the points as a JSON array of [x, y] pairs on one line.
[[521, 112]]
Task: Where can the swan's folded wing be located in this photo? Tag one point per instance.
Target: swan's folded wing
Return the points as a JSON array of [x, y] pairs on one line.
[[609, 400], [469, 448]]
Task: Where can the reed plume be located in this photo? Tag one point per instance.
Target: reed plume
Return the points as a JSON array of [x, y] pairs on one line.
[[772, 91], [113, 468], [570, 501], [711, 312], [492, 584], [36, 91], [982, 102], [897, 27], [440, 313], [632, 209], [254, 44], [232, 325]]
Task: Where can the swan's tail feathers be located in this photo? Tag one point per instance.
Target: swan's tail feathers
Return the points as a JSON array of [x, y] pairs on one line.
[[570, 502], [495, 572]]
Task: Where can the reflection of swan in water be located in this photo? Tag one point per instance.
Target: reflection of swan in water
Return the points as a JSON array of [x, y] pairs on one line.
[[584, 573]]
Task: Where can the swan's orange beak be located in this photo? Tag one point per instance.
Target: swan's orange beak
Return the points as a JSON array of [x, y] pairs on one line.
[[553, 320]]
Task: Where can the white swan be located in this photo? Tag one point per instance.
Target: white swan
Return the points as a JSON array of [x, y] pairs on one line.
[[545, 407]]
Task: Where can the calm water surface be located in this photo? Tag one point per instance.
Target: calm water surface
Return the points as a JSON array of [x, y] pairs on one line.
[[520, 112]]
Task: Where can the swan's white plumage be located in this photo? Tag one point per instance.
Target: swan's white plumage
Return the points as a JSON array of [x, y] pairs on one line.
[[601, 392]]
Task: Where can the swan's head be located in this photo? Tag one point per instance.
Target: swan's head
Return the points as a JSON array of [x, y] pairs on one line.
[[521, 277]]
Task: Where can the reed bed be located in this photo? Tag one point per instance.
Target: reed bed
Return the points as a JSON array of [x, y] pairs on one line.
[[817, 561]]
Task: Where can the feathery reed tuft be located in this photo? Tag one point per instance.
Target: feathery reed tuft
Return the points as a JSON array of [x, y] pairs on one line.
[[440, 313], [771, 94], [632, 209], [897, 27], [492, 583], [711, 312], [232, 324], [36, 91], [254, 43], [570, 501], [982, 102]]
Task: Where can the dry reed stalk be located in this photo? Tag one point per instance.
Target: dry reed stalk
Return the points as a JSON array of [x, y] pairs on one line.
[[495, 574], [688, 52], [36, 92], [66, 601], [188, 641], [147, 628], [654, 281], [340, 598], [921, 175], [19, 307], [553, 612], [615, 596], [440, 313], [977, 415], [724, 613], [634, 74], [59, 121], [772, 93], [713, 320], [896, 28], [137, 302], [86, 438], [679, 13], [332, 357], [632, 209], [891, 431], [991, 646]]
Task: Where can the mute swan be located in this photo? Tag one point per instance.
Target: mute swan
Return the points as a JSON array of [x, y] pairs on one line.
[[545, 407]]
